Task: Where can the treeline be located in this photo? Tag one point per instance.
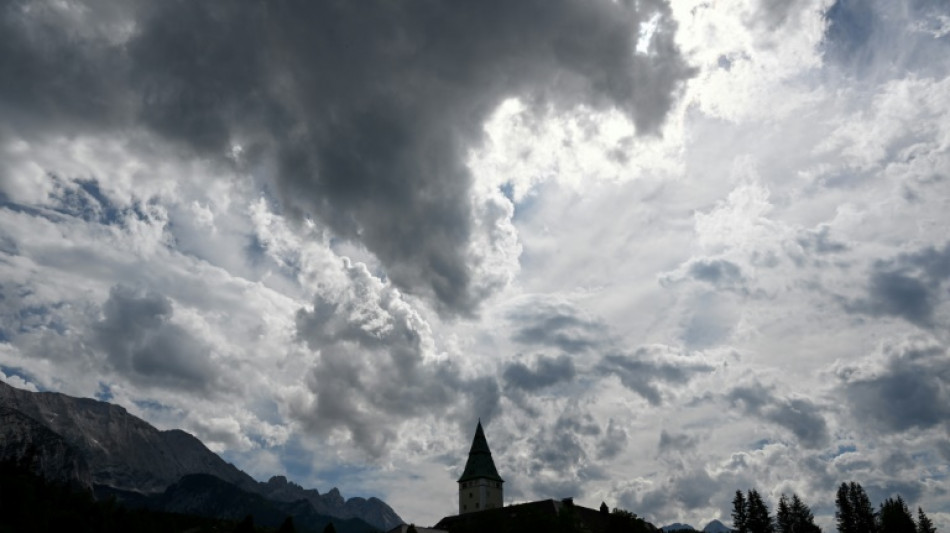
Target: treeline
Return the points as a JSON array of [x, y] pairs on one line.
[[854, 514], [30, 503]]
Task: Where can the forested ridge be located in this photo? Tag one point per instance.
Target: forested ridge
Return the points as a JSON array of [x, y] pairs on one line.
[[854, 514]]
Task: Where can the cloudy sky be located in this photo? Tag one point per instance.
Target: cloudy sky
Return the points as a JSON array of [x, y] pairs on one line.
[[664, 250]]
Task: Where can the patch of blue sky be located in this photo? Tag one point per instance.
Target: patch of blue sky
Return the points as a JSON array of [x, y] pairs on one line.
[[104, 393], [842, 449], [108, 212], [151, 405], [31, 317], [255, 250], [84, 199], [256, 253], [13, 371], [850, 25], [344, 475], [887, 39], [508, 189], [51, 215], [296, 460], [526, 207]]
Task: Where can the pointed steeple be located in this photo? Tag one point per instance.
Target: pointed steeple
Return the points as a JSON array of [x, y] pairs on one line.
[[480, 463]]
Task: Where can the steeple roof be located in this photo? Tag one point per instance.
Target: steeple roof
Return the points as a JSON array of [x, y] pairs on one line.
[[480, 463]]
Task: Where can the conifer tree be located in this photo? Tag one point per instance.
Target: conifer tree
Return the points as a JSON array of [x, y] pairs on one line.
[[783, 516], [803, 521], [740, 515], [895, 517], [844, 515], [246, 525], [287, 526], [924, 525], [864, 516], [855, 513], [759, 520]]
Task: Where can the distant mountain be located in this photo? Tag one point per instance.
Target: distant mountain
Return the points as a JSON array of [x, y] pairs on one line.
[[91, 443], [373, 510], [678, 527], [27, 442], [122, 451], [713, 527], [716, 527], [204, 494]]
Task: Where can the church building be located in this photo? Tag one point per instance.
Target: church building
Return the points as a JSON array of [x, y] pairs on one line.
[[482, 508], [480, 486]]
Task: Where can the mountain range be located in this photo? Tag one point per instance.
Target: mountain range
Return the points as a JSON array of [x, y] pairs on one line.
[[712, 527], [99, 446]]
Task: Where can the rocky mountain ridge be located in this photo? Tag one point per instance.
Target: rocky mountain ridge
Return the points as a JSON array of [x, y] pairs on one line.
[[373, 510], [676, 526], [714, 526], [92, 443]]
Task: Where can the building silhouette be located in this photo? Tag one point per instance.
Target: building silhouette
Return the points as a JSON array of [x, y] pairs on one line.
[[480, 486], [482, 509]]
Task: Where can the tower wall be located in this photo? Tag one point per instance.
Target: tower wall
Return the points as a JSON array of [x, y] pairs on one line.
[[480, 486], [479, 494]]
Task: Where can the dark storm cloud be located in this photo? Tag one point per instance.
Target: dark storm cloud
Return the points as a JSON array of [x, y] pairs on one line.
[[614, 441], [371, 372], [716, 272], [692, 489], [943, 448], [646, 369], [141, 342], [563, 448], [908, 392], [676, 442], [802, 417], [820, 241], [722, 274], [367, 110], [774, 13], [909, 286], [547, 371], [557, 451], [557, 325], [65, 80]]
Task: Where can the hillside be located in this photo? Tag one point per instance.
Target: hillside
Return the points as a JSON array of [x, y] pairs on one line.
[[90, 443]]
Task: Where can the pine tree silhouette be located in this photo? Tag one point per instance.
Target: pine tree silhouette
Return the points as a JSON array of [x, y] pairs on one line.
[[924, 525], [740, 514]]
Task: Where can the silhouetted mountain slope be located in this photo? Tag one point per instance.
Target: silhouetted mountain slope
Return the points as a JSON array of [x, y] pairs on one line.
[[206, 495], [25, 441], [96, 443], [677, 527], [121, 450], [372, 510], [34, 504], [716, 526]]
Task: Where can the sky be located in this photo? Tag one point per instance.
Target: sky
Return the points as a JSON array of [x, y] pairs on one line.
[[664, 251]]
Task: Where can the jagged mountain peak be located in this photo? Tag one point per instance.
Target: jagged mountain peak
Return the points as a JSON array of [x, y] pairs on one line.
[[91, 442], [678, 527], [715, 526]]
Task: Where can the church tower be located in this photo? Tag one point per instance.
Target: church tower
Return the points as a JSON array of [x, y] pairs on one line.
[[480, 486]]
